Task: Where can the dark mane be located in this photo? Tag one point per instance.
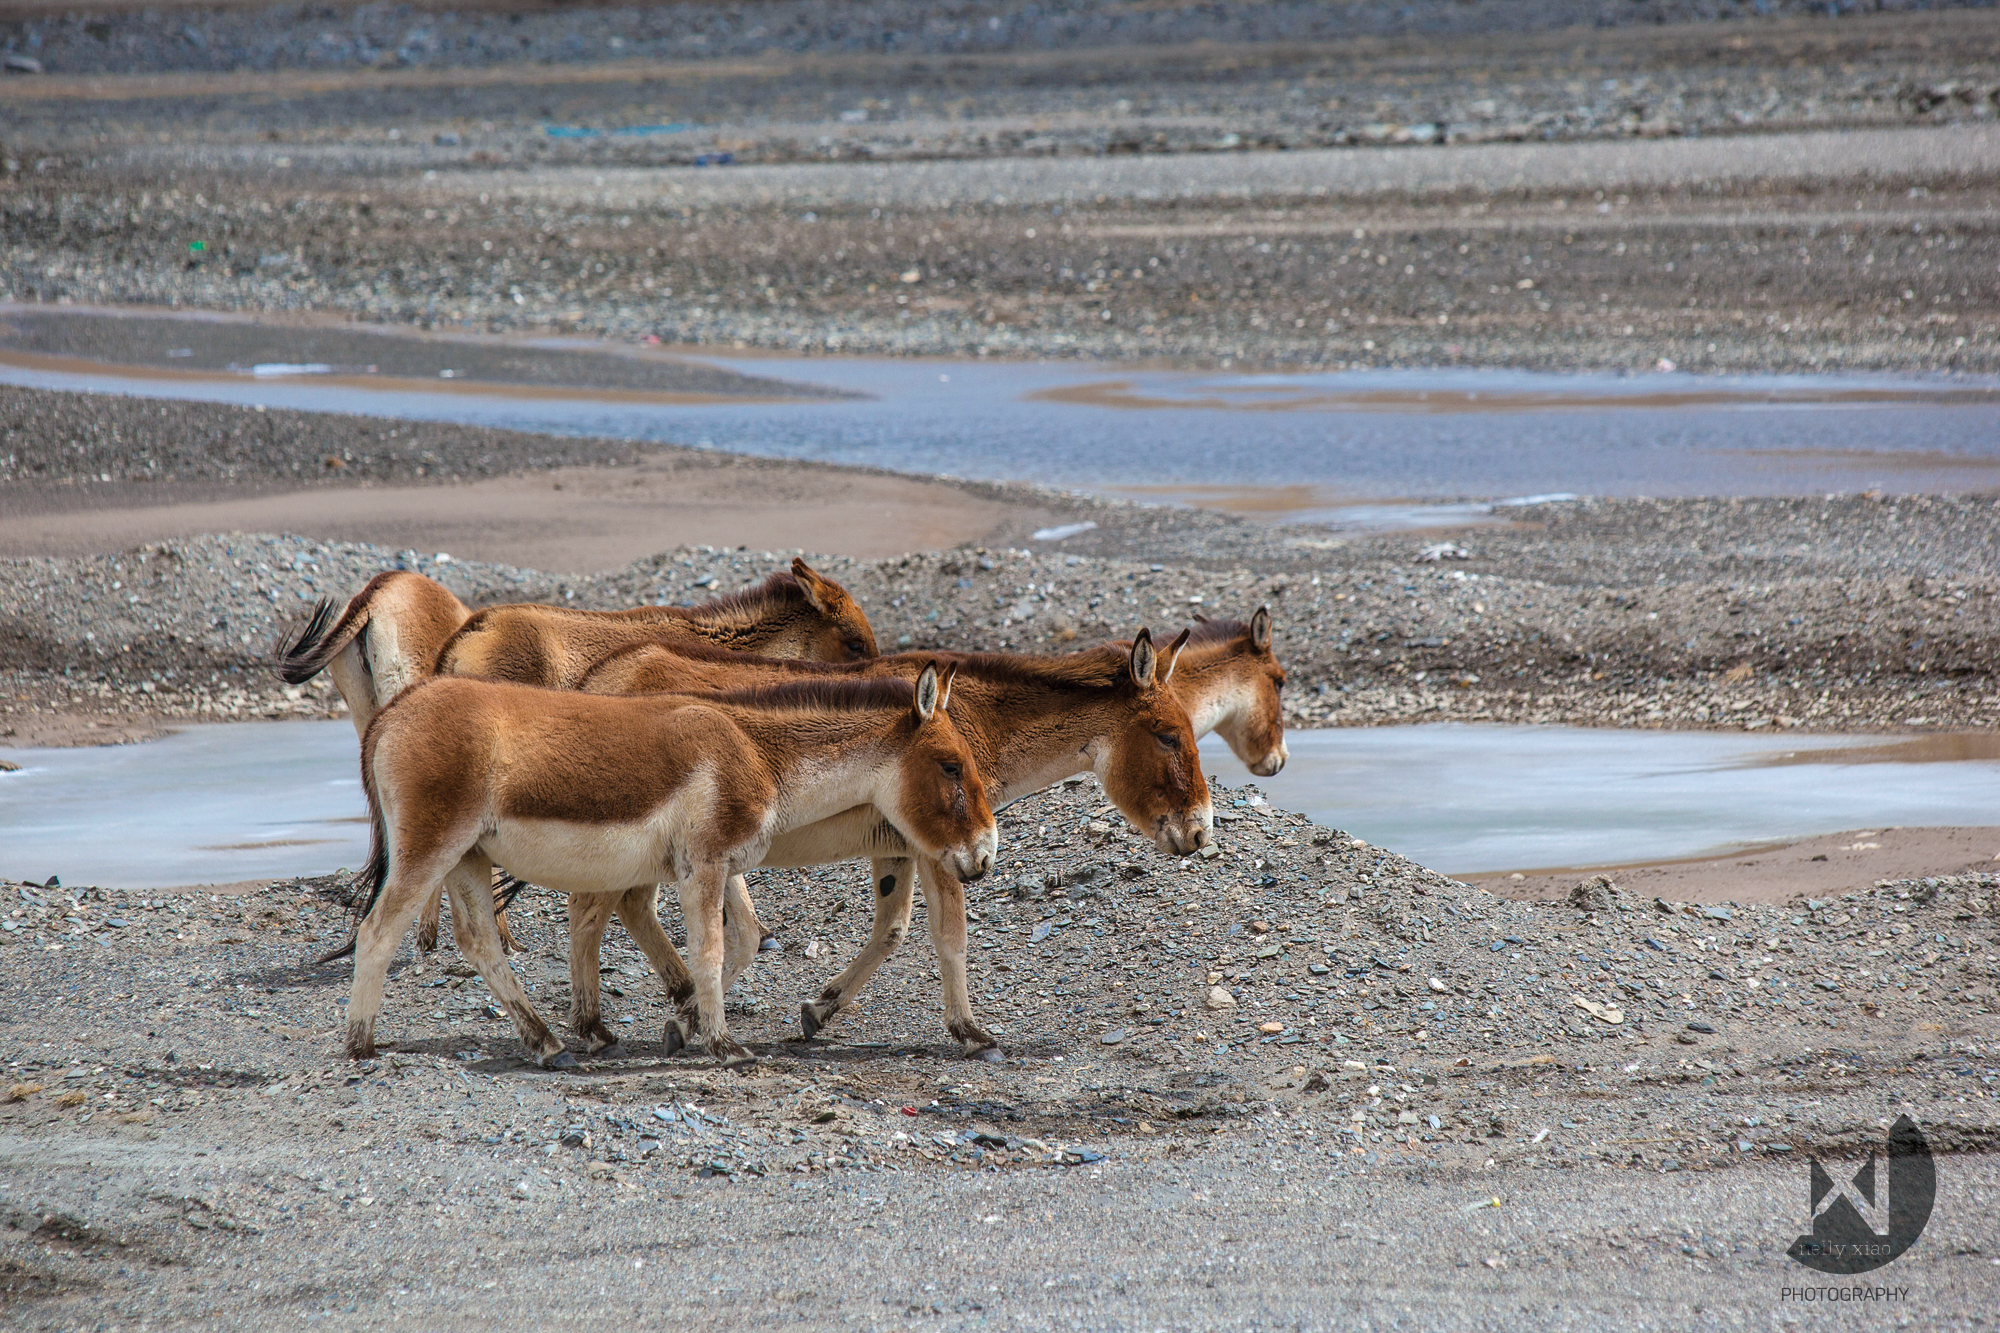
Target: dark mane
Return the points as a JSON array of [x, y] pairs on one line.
[[842, 696], [779, 587], [1219, 631], [1091, 668], [701, 650]]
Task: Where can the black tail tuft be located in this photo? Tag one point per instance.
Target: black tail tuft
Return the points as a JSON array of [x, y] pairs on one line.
[[507, 890], [332, 955], [374, 875], [302, 656]]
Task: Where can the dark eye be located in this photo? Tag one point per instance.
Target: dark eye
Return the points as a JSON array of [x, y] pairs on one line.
[[858, 648], [1168, 739], [1278, 683], [952, 771]]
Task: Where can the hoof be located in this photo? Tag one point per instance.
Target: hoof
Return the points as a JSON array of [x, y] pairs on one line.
[[560, 1060], [992, 1055], [740, 1060], [809, 1021], [427, 941], [672, 1039]]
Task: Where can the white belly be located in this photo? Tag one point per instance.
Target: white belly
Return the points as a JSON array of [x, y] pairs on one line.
[[582, 858]]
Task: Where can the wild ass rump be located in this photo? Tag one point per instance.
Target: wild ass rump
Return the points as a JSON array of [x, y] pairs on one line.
[[594, 794], [1030, 720]]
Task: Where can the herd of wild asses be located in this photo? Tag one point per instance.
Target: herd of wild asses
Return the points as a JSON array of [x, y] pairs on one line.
[[601, 753]]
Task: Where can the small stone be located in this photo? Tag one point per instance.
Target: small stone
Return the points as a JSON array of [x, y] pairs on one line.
[[1040, 932], [523, 1190], [1439, 986], [1716, 913], [1406, 1117], [1113, 1037], [1270, 1029], [1261, 927], [1210, 851], [1318, 969], [1701, 1027], [1685, 1038], [1219, 998]]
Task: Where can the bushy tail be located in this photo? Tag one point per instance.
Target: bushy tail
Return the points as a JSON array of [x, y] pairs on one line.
[[306, 653], [507, 890]]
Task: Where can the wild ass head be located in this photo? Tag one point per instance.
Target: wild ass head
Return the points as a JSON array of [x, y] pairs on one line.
[[1233, 688], [837, 630], [937, 799], [1148, 763]]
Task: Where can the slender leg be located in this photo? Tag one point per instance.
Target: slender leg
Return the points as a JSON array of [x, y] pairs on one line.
[[701, 893], [639, 909], [945, 897], [895, 883], [427, 926], [742, 930], [507, 940], [410, 882], [471, 885], [589, 913]]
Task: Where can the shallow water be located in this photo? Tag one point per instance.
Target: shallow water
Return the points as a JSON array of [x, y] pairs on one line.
[[1463, 798], [249, 800], [1310, 447], [209, 805]]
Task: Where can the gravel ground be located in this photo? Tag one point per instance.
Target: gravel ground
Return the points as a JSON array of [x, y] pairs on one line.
[[1300, 1012], [1563, 197]]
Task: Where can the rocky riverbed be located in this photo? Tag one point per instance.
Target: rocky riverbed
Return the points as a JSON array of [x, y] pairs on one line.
[[1325, 186], [1330, 1008], [1845, 614]]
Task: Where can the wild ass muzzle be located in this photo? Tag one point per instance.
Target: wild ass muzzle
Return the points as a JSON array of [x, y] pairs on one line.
[[589, 794], [1030, 720]]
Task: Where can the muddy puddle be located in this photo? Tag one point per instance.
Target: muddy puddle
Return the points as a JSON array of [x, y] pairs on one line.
[[219, 804], [1354, 449]]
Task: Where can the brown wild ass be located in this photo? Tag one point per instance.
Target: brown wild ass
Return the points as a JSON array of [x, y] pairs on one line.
[[395, 631], [799, 614], [1227, 679], [590, 794], [1030, 720]]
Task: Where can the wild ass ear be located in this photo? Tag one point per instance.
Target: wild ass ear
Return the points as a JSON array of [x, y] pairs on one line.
[[928, 701], [1144, 659], [1173, 655], [1260, 630], [944, 687], [810, 583]]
